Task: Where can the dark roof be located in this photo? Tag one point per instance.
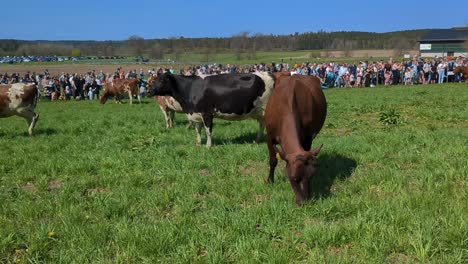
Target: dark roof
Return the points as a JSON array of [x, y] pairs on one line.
[[459, 33]]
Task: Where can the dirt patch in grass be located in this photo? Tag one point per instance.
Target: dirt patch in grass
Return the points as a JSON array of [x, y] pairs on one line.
[[339, 250], [396, 258], [343, 131], [204, 172], [54, 185], [29, 187], [93, 191], [253, 168], [377, 191]]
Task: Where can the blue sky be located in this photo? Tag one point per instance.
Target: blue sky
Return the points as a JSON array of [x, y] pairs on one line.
[[118, 20]]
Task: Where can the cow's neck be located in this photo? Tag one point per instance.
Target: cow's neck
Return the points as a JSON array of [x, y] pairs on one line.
[[181, 94], [290, 141]]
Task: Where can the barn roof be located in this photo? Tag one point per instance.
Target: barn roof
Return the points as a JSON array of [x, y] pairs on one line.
[[457, 33]]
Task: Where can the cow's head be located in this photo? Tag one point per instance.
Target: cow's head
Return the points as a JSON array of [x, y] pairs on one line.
[[163, 85], [300, 169]]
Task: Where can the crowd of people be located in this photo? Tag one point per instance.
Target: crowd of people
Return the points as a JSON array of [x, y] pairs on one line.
[[88, 85]]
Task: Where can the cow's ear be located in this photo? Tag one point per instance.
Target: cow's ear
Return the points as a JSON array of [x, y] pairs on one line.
[[280, 152], [316, 151]]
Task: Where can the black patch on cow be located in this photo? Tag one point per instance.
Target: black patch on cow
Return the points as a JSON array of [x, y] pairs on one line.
[[225, 93]]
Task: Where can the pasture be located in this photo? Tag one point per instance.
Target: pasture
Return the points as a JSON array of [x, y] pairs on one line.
[[108, 183]]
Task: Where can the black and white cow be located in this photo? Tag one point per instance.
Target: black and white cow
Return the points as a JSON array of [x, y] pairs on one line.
[[226, 96]]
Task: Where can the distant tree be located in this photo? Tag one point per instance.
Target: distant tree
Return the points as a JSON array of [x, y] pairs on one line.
[[466, 47], [157, 51], [76, 53], [137, 44], [109, 50], [239, 43]]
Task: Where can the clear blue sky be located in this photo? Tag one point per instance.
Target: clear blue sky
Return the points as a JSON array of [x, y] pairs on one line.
[[118, 20]]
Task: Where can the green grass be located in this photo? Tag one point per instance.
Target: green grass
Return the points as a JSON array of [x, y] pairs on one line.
[[116, 187]]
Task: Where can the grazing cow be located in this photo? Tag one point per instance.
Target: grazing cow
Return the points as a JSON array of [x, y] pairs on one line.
[[294, 115], [462, 69], [118, 87], [226, 96], [19, 99]]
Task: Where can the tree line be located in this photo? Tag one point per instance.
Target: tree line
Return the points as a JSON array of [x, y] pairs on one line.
[[242, 43]]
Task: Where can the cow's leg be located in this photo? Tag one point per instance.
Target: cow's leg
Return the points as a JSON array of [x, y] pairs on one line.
[[198, 127], [208, 122], [130, 97], [33, 124], [139, 98], [31, 118], [166, 117], [261, 128], [190, 124], [171, 118], [273, 160]]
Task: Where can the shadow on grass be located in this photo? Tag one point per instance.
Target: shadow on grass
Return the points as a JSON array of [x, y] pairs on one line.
[[330, 166], [247, 138], [42, 132]]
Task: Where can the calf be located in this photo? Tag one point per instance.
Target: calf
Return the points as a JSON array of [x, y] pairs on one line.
[[19, 99], [118, 87], [294, 115], [463, 71], [226, 96], [168, 105]]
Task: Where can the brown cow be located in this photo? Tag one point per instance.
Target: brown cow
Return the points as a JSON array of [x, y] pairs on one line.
[[294, 115], [461, 69], [19, 99], [118, 87]]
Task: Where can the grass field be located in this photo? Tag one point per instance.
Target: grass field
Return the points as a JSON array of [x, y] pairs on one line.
[[109, 184]]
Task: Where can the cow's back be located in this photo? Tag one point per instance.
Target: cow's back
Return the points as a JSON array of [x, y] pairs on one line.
[[309, 102], [236, 96], [296, 101], [17, 97]]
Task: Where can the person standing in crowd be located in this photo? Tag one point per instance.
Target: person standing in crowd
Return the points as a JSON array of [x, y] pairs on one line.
[[97, 86], [427, 71], [450, 68], [79, 84], [441, 71]]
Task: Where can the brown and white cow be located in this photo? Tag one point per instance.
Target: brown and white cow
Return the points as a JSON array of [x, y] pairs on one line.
[[19, 99], [119, 87], [294, 115], [168, 105]]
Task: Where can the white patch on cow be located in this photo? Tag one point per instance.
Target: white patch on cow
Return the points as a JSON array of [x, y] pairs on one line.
[[14, 94], [195, 117], [261, 103], [258, 111], [173, 104]]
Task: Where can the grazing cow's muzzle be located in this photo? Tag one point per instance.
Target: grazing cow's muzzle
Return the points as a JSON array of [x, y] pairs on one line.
[[301, 190]]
